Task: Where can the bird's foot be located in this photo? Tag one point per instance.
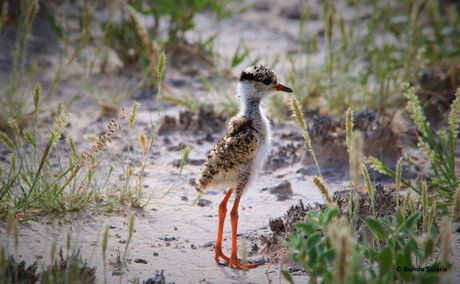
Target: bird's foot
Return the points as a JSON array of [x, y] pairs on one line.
[[220, 254], [238, 264]]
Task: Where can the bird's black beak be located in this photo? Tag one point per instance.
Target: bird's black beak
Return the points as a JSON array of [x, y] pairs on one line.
[[283, 88]]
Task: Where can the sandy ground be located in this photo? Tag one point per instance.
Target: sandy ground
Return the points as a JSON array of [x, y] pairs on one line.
[[171, 234]]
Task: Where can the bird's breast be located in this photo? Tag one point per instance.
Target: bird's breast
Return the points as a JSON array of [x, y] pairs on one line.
[[263, 149]]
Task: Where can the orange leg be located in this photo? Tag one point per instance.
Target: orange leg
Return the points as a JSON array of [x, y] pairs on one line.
[[220, 229], [234, 261]]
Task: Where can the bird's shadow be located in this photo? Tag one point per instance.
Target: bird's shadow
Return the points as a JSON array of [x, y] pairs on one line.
[[236, 275]]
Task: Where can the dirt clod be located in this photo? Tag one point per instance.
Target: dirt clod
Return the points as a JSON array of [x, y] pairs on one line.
[[284, 156], [437, 91], [140, 260], [328, 139], [168, 239], [282, 191], [205, 120], [209, 244], [203, 202], [276, 225], [284, 225], [292, 12]]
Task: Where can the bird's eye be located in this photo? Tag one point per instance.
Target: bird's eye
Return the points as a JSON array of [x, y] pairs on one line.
[[267, 81]]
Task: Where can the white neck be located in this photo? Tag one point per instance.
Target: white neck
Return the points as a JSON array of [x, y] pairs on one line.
[[249, 99], [250, 107]]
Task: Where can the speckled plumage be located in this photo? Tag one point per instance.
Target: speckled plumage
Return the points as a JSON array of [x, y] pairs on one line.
[[236, 157], [259, 73], [231, 161]]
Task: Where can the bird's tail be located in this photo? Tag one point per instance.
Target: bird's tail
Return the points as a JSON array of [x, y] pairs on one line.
[[200, 184]]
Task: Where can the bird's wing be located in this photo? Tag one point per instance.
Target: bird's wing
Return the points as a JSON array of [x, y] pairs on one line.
[[239, 143], [237, 147]]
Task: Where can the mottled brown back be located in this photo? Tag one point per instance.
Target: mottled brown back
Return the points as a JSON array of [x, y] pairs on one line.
[[230, 159]]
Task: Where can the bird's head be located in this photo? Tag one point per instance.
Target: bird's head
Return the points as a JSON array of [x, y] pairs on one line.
[[257, 82]]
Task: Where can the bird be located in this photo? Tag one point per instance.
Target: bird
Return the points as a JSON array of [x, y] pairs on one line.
[[238, 156]]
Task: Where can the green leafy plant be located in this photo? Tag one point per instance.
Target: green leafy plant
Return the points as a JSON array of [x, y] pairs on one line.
[[311, 247], [438, 147], [325, 248], [401, 247]]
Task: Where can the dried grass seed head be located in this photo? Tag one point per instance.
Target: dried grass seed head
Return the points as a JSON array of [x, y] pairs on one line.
[[37, 93], [113, 126], [318, 181], [454, 116], [349, 127], [415, 110]]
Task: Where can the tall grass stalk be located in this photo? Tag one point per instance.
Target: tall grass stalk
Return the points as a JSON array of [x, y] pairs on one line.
[[431, 216], [329, 16], [298, 114], [356, 157], [439, 148], [341, 238], [160, 71], [349, 143], [244, 255], [130, 236], [370, 188], [349, 137], [105, 241], [398, 180], [183, 162], [425, 205], [445, 240], [4, 14], [456, 207]]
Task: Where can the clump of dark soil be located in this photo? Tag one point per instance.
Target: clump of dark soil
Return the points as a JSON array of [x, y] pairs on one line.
[[282, 191], [437, 91], [206, 120], [284, 156], [385, 201], [329, 136], [385, 204], [281, 227], [329, 143]]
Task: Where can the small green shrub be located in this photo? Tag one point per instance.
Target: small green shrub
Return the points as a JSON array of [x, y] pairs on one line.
[[328, 252]]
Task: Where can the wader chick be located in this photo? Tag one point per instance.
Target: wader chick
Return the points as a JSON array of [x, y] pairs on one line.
[[236, 158]]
